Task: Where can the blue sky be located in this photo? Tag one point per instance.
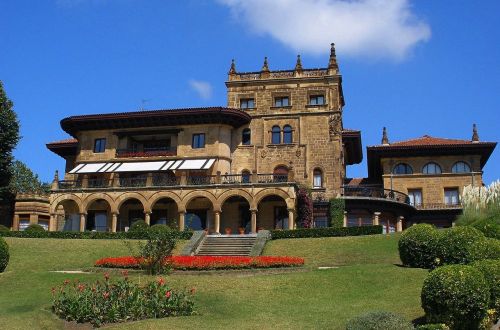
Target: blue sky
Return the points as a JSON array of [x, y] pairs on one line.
[[417, 67]]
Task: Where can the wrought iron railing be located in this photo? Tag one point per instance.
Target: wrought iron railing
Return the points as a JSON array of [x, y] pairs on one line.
[[272, 178], [69, 184], [146, 152], [133, 182], [438, 206], [200, 180], [375, 192], [165, 181], [236, 178], [98, 183]]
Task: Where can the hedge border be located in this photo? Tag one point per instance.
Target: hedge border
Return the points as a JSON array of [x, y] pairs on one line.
[[184, 235], [326, 232]]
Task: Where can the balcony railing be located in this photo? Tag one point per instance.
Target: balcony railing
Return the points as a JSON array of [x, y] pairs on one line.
[[147, 152], [438, 206], [171, 181], [375, 192]]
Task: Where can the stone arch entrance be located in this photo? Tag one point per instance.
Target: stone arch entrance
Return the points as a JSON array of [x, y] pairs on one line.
[[164, 211], [129, 211], [67, 215], [274, 213], [98, 215], [200, 214], [236, 215]]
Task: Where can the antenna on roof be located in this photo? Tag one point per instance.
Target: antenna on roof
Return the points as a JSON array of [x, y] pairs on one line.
[[143, 102]]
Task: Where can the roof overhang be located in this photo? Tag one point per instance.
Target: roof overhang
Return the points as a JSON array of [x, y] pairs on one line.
[[376, 153], [156, 118], [353, 148], [63, 149]]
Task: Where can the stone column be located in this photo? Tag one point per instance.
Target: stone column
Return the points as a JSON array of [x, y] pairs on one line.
[[83, 219], [149, 180], [33, 219], [116, 180], [182, 215], [376, 217], [399, 224], [114, 222], [217, 222], [345, 219], [253, 222], [183, 181], [15, 224], [53, 222], [291, 224], [147, 217], [85, 181]]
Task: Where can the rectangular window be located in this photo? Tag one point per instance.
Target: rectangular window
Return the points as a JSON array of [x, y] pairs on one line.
[[247, 103], [316, 100], [99, 145], [320, 222], [451, 196], [198, 141], [281, 101], [415, 197]]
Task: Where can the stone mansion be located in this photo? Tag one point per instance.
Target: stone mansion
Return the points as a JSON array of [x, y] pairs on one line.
[[237, 168]]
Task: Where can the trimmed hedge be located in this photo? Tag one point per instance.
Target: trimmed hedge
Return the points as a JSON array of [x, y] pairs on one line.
[[417, 246], [457, 295], [34, 228], [326, 232], [461, 245], [433, 326], [4, 255], [379, 320], [491, 272], [88, 234], [4, 228]]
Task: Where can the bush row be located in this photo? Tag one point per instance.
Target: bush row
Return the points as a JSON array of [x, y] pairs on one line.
[[426, 247], [4, 255], [326, 232], [89, 234]]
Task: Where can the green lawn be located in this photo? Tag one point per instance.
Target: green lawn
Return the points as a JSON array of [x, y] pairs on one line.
[[368, 278]]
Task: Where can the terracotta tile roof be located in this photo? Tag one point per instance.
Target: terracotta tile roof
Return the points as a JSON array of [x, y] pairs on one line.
[[65, 141], [428, 140]]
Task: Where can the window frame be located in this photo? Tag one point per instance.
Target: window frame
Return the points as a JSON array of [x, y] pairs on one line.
[[461, 162], [244, 132], [99, 145], [407, 166], [436, 166], [246, 100], [276, 133], [412, 192], [287, 133], [280, 99], [197, 138], [315, 97], [451, 190], [317, 173]]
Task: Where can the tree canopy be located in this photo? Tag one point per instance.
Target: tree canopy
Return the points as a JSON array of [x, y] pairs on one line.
[[24, 181]]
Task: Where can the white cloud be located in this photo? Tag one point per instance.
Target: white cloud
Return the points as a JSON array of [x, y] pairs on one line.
[[367, 28], [203, 88]]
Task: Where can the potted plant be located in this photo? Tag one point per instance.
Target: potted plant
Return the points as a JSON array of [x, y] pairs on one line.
[[228, 231], [241, 230]]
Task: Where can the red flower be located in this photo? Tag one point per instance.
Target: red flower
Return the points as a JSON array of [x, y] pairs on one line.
[[66, 282], [193, 290], [125, 273], [106, 276], [105, 295], [81, 287], [168, 294], [161, 281]]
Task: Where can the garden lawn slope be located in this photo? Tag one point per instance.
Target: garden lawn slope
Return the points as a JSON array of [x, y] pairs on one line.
[[367, 279]]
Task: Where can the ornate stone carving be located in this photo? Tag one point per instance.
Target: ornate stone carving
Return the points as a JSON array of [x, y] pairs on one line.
[[298, 153], [334, 125], [263, 153]]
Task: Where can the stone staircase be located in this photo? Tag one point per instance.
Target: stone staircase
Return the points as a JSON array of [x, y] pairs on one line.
[[226, 245]]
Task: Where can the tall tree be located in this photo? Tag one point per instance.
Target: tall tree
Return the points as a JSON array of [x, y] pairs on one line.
[[24, 181], [9, 137]]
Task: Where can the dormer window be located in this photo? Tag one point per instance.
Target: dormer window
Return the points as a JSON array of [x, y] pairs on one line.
[[316, 100], [247, 103], [402, 168], [281, 101]]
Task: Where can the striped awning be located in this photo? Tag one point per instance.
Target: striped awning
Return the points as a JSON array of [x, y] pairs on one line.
[[153, 166]]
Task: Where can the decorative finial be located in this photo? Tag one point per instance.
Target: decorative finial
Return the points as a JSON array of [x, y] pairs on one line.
[[56, 176], [475, 136], [232, 70], [265, 67], [332, 63], [385, 139], [298, 65]]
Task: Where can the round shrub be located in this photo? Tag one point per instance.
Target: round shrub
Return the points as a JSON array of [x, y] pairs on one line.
[[4, 255], [160, 228], [491, 273], [139, 225], [417, 246], [488, 227], [4, 229], [379, 320], [34, 228], [460, 245], [456, 295], [434, 326], [488, 248]]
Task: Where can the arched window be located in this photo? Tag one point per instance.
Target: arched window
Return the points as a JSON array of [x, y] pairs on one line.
[[460, 167], [402, 168], [431, 168], [276, 135], [280, 174], [245, 176], [246, 137], [317, 178], [287, 134]]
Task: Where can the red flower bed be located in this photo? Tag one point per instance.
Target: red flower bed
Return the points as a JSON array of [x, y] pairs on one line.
[[206, 262]]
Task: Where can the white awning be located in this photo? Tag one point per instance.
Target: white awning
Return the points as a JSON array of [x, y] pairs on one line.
[[153, 166]]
